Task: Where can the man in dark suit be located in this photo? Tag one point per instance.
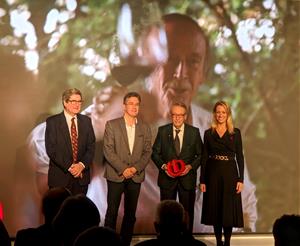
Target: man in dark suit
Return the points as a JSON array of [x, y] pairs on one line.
[[127, 150], [70, 145], [178, 141]]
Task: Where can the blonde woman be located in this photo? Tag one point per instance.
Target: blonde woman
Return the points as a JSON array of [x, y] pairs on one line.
[[222, 173]]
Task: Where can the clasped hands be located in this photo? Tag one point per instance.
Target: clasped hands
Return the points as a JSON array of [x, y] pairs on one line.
[[129, 172], [188, 167], [76, 170]]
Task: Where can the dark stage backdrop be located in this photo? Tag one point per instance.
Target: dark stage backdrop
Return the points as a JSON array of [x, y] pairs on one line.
[[48, 46]]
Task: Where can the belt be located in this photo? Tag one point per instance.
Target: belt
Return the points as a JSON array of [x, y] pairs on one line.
[[221, 157]]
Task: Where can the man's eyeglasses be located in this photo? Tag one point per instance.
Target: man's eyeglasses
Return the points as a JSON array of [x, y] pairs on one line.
[[133, 104], [75, 101], [178, 115]]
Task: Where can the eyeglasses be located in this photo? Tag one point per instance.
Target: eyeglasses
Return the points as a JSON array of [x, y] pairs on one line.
[[133, 104], [178, 115], [75, 101]]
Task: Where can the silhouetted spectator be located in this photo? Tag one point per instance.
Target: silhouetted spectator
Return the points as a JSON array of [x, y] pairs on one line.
[[1, 211], [286, 230], [43, 235], [171, 227], [4, 237], [96, 236], [76, 214]]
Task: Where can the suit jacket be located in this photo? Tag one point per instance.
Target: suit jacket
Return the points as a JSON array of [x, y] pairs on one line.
[[59, 148], [117, 153], [164, 151], [42, 235]]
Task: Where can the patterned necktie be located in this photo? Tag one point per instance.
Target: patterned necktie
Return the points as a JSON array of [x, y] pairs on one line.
[[177, 142], [74, 140]]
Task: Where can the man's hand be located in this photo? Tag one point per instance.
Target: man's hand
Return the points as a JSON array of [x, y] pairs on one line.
[[129, 172], [186, 170], [76, 170], [133, 170], [165, 168], [203, 187]]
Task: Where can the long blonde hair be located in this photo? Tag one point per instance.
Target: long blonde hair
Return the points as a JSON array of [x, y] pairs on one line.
[[229, 122]]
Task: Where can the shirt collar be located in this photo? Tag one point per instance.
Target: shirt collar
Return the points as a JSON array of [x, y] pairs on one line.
[[68, 116], [181, 128], [136, 120]]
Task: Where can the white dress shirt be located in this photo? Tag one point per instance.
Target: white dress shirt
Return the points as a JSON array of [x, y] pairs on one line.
[[130, 129]]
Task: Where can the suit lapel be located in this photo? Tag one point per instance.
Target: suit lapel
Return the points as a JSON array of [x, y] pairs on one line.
[[65, 132], [171, 138], [138, 133], [185, 138], [80, 131], [124, 133]]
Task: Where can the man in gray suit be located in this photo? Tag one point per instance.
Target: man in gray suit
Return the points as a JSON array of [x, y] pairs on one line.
[[127, 151]]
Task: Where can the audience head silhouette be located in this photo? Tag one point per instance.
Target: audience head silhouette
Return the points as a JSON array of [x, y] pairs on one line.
[[170, 218], [76, 214], [52, 201], [4, 237], [95, 236], [286, 230], [43, 235], [171, 226]]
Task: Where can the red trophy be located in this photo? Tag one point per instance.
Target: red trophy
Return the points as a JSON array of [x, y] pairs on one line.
[[175, 167]]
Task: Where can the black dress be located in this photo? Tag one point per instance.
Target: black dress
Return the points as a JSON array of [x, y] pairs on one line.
[[221, 204]]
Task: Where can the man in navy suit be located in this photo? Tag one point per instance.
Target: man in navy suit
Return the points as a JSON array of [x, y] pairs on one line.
[[178, 141], [70, 145]]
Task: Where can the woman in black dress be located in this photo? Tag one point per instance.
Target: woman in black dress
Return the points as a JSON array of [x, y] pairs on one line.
[[222, 173]]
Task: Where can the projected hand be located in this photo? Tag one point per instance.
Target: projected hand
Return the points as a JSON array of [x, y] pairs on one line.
[[107, 105], [141, 43]]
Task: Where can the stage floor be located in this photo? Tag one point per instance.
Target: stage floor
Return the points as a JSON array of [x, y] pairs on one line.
[[237, 239]]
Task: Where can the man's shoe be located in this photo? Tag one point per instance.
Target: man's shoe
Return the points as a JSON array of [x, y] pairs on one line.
[[220, 243], [227, 243]]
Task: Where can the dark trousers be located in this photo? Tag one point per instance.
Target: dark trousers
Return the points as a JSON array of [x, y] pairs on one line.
[[186, 198], [131, 192], [74, 187]]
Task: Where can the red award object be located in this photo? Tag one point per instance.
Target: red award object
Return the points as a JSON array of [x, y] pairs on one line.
[[175, 167]]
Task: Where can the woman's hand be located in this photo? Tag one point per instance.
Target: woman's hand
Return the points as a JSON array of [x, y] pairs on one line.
[[239, 187], [203, 187]]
